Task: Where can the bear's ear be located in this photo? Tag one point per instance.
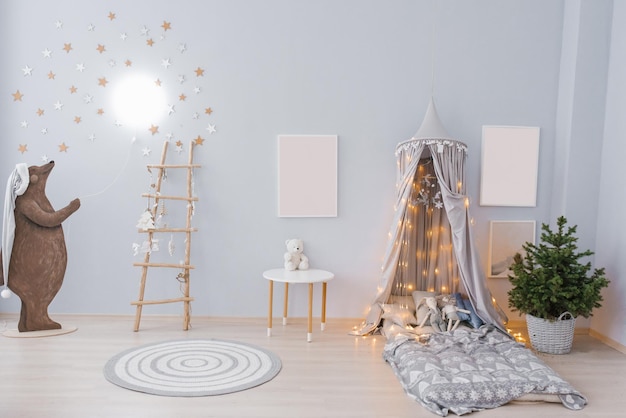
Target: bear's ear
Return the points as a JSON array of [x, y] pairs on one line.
[[287, 242], [34, 178]]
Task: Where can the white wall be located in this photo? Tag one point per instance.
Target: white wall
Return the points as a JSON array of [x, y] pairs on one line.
[[358, 69], [611, 244]]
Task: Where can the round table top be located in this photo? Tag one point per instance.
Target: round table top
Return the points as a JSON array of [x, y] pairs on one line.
[[298, 276]]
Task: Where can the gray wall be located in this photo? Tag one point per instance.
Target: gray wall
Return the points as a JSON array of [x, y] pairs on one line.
[[358, 69]]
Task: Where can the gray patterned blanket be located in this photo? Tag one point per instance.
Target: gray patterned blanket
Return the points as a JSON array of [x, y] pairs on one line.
[[468, 370]]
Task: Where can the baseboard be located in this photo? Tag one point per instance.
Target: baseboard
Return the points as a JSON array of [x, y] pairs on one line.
[[608, 341]]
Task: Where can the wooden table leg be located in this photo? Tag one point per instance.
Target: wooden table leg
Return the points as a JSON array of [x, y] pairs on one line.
[[269, 314], [309, 336], [323, 306], [285, 307]]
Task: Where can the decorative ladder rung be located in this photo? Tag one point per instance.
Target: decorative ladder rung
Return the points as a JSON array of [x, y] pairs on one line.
[[169, 230], [157, 302], [160, 196], [169, 265]]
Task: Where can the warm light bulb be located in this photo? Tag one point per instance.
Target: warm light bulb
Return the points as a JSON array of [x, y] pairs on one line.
[[138, 102]]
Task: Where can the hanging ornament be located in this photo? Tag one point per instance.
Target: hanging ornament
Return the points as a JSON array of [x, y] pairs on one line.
[[146, 221], [155, 245], [136, 248], [170, 245], [145, 247]]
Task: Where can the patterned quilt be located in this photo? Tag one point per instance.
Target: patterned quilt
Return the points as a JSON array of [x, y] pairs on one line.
[[468, 370]]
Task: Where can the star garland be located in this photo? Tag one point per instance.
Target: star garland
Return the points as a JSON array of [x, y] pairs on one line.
[[93, 85]]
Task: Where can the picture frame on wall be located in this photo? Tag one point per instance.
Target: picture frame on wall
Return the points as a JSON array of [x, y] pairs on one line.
[[509, 166], [505, 240], [307, 176]]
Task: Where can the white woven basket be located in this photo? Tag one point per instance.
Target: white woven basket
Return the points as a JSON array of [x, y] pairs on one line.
[[552, 337]]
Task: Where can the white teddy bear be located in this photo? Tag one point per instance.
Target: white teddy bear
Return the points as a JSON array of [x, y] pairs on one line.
[[294, 259]]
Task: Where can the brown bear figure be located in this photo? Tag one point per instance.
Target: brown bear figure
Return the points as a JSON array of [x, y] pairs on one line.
[[39, 257]]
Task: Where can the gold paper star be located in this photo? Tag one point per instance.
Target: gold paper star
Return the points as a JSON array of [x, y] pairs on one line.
[[77, 119], [158, 82], [128, 63], [208, 110], [100, 111], [166, 25], [154, 129], [102, 82], [51, 75], [199, 72], [150, 42], [22, 148], [101, 48], [63, 147], [40, 112], [199, 140], [73, 90], [182, 97], [179, 143], [111, 16], [67, 47], [17, 96]]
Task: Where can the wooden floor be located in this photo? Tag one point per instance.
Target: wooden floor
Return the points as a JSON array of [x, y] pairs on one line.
[[336, 375]]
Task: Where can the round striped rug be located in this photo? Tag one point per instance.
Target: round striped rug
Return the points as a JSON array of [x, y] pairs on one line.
[[192, 367]]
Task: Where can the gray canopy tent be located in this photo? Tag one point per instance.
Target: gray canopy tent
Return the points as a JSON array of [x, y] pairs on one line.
[[430, 241]]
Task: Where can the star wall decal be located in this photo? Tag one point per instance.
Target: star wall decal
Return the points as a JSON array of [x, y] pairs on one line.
[[108, 43]]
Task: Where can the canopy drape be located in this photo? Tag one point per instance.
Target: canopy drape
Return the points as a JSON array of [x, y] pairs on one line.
[[430, 243]]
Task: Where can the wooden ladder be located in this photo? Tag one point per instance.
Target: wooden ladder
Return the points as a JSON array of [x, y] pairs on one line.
[[185, 266]]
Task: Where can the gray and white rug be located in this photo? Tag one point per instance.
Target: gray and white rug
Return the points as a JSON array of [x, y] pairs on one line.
[[192, 367]]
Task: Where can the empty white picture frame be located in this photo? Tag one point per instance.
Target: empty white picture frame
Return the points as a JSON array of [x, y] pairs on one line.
[[307, 175], [505, 240], [510, 161]]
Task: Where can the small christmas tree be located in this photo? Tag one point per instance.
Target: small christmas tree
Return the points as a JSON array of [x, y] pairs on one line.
[[550, 279]]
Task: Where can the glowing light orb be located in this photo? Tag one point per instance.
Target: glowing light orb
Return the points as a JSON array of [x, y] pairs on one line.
[[138, 101]]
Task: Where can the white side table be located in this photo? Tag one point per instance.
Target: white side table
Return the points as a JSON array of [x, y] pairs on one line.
[[310, 276]]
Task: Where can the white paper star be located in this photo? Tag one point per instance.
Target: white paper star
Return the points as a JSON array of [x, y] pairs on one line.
[[80, 67], [92, 137], [27, 71], [166, 62], [44, 158], [179, 148], [196, 89], [90, 28], [182, 48], [88, 98], [181, 79], [123, 36], [169, 136], [211, 129], [146, 151], [44, 131], [195, 115], [24, 124], [145, 31], [118, 123], [58, 105], [112, 63], [46, 53], [170, 109], [58, 24]]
